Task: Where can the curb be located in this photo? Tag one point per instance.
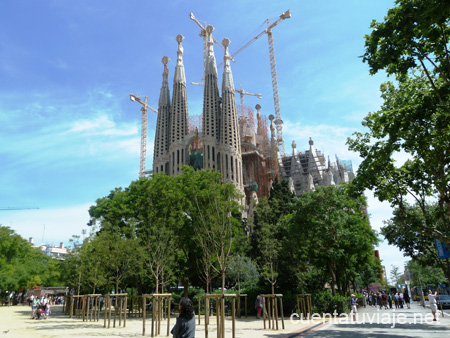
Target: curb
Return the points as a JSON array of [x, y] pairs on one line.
[[305, 331]]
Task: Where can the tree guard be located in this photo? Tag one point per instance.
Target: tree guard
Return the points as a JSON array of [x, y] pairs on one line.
[[304, 305], [160, 308], [220, 313], [120, 306], [272, 310]]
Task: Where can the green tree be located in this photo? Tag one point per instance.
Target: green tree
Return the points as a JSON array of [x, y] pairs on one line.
[[118, 256], [413, 34], [425, 274], [242, 270], [400, 231], [412, 44], [270, 233], [214, 210], [330, 227], [157, 214], [370, 273], [23, 266], [395, 275]]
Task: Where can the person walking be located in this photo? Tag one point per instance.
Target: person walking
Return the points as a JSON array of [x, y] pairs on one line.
[[353, 301], [185, 324], [259, 306], [433, 303], [406, 299], [396, 300]]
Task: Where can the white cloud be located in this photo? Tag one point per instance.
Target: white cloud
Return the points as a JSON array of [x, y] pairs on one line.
[[50, 226], [99, 122], [330, 140]]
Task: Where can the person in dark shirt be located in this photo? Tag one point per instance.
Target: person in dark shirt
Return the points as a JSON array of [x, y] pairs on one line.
[[185, 325]]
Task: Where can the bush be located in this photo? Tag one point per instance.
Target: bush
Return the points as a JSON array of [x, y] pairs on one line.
[[325, 302]]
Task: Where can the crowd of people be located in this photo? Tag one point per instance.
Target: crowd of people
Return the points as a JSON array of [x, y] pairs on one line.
[[388, 300], [40, 306]]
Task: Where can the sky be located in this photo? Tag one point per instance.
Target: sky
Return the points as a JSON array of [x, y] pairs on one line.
[[69, 133]]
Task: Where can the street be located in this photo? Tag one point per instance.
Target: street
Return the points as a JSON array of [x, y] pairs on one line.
[[374, 323]]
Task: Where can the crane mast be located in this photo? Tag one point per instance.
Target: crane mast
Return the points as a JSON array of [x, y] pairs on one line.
[[242, 92], [204, 34], [145, 106], [276, 98], [273, 69]]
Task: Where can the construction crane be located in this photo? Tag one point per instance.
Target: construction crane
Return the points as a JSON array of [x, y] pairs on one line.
[[17, 208], [241, 92], [276, 99], [204, 34], [145, 106]]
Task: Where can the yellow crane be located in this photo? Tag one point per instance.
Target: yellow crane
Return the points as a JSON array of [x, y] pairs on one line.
[[276, 99]]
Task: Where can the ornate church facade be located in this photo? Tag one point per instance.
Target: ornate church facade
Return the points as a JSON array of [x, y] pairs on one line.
[[245, 154]]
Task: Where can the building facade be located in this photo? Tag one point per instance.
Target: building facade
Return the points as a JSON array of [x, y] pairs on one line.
[[245, 154], [216, 146]]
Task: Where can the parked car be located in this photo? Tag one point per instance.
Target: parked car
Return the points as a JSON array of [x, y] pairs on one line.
[[444, 300]]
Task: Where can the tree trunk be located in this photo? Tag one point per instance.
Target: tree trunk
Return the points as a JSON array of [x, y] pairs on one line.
[[79, 283], [223, 281], [333, 278], [239, 284], [186, 287]]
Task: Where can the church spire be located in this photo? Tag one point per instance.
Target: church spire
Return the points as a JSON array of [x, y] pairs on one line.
[[211, 107], [179, 115], [179, 69], [227, 81], [211, 67], [160, 158], [230, 144]]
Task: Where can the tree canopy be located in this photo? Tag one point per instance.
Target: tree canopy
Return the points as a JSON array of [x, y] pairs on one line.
[[414, 120]]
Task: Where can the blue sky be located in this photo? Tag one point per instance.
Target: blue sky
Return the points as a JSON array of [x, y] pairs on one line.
[[69, 133]]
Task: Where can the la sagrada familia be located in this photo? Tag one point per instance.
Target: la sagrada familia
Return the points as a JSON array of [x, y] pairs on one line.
[[245, 156]]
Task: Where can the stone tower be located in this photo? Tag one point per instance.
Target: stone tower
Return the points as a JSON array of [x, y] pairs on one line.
[[178, 116], [229, 154], [211, 107], [160, 154]]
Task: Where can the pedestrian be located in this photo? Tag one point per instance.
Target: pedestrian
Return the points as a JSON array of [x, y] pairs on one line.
[[433, 303], [47, 310], [33, 306], [400, 299], [406, 299], [385, 300], [259, 306], [185, 325], [390, 300], [353, 301], [370, 299], [396, 300]]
